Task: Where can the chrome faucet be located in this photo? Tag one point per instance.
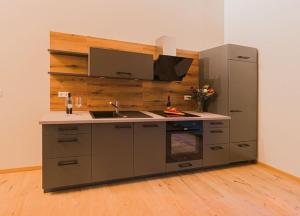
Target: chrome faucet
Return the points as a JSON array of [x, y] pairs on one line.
[[116, 105]]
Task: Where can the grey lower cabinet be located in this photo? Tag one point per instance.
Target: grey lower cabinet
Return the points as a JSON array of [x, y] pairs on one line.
[[112, 147], [81, 154], [149, 148], [216, 143], [66, 155]]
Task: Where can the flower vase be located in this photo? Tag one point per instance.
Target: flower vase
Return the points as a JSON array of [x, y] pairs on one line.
[[199, 106], [202, 106]]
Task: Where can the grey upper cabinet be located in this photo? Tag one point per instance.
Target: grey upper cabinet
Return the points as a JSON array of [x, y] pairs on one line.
[[149, 148], [243, 100], [120, 64], [112, 151]]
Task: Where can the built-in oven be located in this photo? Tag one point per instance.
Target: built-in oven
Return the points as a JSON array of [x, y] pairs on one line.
[[184, 145]]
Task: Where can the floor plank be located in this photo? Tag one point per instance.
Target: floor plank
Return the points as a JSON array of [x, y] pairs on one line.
[[239, 190]]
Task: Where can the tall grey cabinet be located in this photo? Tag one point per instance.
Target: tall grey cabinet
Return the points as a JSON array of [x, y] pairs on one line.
[[233, 69]]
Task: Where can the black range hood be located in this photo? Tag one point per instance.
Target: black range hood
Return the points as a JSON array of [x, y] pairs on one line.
[[171, 68]]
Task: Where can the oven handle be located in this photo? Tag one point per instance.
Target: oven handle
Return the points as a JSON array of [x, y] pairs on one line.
[[187, 130]]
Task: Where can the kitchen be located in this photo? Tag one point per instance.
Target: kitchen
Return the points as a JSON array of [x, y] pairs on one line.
[[171, 125]]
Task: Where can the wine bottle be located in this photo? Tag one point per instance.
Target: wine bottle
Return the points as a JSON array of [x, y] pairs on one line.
[[69, 104], [169, 101]]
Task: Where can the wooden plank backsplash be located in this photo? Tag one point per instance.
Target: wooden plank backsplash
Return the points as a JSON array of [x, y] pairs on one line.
[[97, 92]]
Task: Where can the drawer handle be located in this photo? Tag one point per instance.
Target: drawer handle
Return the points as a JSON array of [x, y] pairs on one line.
[[183, 165], [67, 140], [243, 145], [236, 111], [122, 126], [216, 148], [216, 131], [150, 125], [123, 73], [216, 123], [68, 129], [243, 57], [67, 163]]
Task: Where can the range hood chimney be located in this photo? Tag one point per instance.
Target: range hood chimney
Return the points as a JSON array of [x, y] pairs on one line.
[[166, 45], [168, 66]]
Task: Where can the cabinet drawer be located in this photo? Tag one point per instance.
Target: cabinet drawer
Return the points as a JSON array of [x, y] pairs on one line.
[[63, 172], [66, 145], [216, 135], [171, 167], [216, 154], [216, 124], [243, 151], [62, 129], [242, 53]]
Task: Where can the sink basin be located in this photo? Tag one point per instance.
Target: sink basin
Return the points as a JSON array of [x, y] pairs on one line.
[[121, 114]]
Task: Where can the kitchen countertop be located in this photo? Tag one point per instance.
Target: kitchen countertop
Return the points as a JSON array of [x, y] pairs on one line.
[[60, 117]]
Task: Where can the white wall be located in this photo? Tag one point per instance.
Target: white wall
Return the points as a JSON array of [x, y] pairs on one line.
[[274, 28], [25, 26]]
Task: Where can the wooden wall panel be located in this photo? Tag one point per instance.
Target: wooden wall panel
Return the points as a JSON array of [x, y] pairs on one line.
[[97, 92]]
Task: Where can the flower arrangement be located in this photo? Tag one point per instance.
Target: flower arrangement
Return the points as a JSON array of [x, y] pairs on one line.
[[203, 96]]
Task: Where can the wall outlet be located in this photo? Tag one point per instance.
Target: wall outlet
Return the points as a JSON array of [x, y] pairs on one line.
[[187, 97], [62, 94]]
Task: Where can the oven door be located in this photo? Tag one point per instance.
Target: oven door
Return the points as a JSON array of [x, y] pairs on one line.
[[184, 146]]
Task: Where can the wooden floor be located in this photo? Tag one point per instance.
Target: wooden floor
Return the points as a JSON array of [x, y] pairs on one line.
[[241, 190]]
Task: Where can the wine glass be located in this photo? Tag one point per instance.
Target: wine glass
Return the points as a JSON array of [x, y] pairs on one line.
[[78, 102]]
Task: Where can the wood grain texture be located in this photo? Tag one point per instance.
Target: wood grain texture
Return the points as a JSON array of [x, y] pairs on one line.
[[234, 191], [96, 92]]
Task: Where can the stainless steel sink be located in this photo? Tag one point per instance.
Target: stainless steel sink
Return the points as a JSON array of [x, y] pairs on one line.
[[121, 114]]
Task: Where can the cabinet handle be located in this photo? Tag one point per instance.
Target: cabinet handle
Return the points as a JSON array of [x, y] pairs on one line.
[[216, 123], [150, 125], [67, 163], [67, 140], [216, 148], [183, 165], [68, 129], [243, 145], [243, 57], [124, 73], [216, 131], [122, 126], [236, 111]]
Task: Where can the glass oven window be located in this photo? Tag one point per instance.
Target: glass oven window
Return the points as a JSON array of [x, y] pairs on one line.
[[184, 143]]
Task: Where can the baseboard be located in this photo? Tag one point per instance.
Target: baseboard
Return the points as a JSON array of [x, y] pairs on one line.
[[20, 169], [296, 178]]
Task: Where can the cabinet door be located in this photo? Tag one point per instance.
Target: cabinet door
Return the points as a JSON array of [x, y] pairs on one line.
[[243, 100], [120, 64], [112, 151], [149, 148], [243, 151]]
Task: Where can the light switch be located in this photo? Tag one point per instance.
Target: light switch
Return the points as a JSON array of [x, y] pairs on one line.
[[62, 94], [187, 97]]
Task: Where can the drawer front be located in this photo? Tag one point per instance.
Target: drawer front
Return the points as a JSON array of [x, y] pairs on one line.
[[216, 124], [241, 53], [63, 129], [216, 135], [243, 151], [217, 154], [171, 167], [63, 172], [66, 145]]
